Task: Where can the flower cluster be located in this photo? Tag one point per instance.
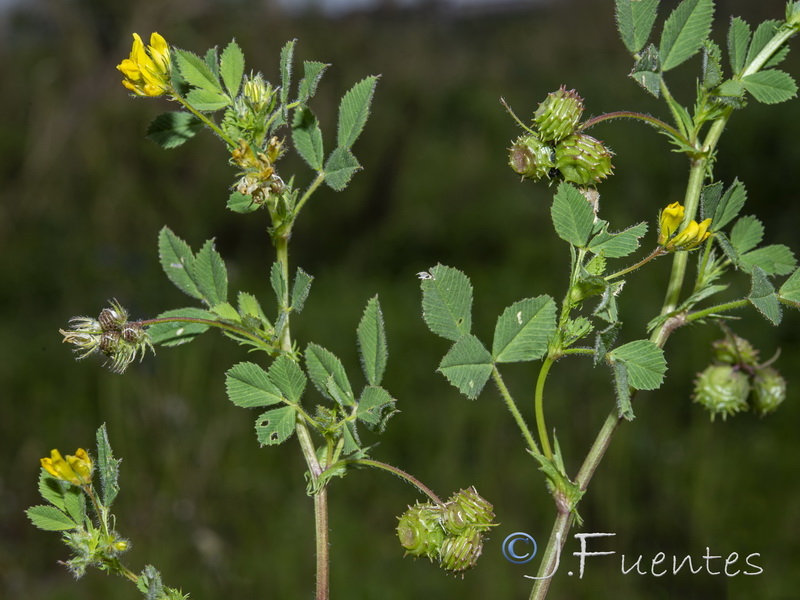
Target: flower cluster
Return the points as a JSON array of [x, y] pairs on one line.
[[691, 236], [112, 334], [555, 147], [75, 469], [735, 382], [148, 70], [451, 533]]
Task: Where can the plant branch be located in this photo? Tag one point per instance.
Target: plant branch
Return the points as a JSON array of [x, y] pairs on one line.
[[512, 407], [539, 407], [395, 471], [629, 114]]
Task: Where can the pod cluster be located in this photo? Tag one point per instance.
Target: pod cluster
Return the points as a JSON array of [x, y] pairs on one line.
[[735, 381], [451, 533], [554, 146]]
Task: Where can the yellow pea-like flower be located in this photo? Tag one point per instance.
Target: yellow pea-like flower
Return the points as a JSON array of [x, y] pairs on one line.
[[692, 236], [669, 221], [76, 469], [147, 70]]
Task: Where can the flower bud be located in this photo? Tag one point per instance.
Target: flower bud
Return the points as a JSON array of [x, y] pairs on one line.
[[669, 220], [722, 389], [531, 157], [735, 350], [583, 160], [769, 391], [557, 117]]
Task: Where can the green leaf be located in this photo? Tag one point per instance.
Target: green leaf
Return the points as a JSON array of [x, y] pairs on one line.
[[300, 289], [210, 274], [646, 71], [685, 31], [790, 290], [275, 426], [523, 330], [644, 362], [354, 111], [232, 68], [312, 73], [287, 59], [212, 60], [372, 347], [249, 386], [738, 42], [177, 332], [746, 234], [763, 297], [226, 312], [171, 129], [279, 284], [771, 86], [729, 206], [775, 259], [635, 20], [623, 390], [74, 503], [307, 137], [206, 101], [617, 245], [351, 441], [107, 467], [375, 407], [764, 33], [727, 248], [328, 375], [776, 58], [712, 65], [288, 377], [572, 215], [241, 203], [447, 302], [196, 72], [51, 490], [730, 92], [710, 196], [339, 169], [250, 310], [177, 261], [604, 340], [49, 518], [468, 366]]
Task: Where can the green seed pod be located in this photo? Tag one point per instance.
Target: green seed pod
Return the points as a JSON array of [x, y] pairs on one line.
[[557, 117], [420, 530], [467, 509], [459, 553], [735, 351], [583, 160], [531, 157], [722, 389], [769, 391]]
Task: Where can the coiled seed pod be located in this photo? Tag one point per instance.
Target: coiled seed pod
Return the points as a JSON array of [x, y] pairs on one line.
[[468, 508], [459, 553], [557, 117], [722, 389], [735, 350], [531, 157], [420, 530], [112, 319], [583, 160], [769, 391]]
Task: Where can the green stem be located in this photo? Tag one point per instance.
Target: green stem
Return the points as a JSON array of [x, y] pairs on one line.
[[539, 407], [311, 189], [395, 471], [552, 555], [659, 251], [211, 323], [209, 123], [702, 314], [512, 407], [627, 114]]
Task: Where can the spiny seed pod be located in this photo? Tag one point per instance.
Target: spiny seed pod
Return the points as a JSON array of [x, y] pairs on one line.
[[722, 389], [133, 333], [531, 157], [459, 553], [735, 350], [769, 391], [468, 507], [557, 117], [109, 342], [113, 318], [420, 530], [583, 160]]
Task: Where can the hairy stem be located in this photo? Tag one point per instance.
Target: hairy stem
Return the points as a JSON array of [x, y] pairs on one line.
[[512, 407], [395, 471], [539, 407], [627, 114]]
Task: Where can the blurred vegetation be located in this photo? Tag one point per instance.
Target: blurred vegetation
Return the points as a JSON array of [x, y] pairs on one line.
[[84, 195]]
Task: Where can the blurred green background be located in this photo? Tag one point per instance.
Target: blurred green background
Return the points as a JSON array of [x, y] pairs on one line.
[[84, 195]]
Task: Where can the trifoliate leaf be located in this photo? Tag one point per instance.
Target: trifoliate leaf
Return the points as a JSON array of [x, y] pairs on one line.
[[746, 234], [375, 407], [771, 86], [523, 330], [372, 345], [617, 245], [635, 20], [685, 31], [790, 290], [572, 215], [49, 518], [644, 361], [738, 43], [249, 386], [340, 168], [207, 101], [328, 375], [177, 261], [288, 377], [468, 366], [775, 259], [729, 205], [51, 490], [763, 297], [307, 137], [354, 111], [171, 129], [275, 426], [763, 34], [312, 73], [232, 68], [447, 302], [196, 72], [241, 203], [210, 274]]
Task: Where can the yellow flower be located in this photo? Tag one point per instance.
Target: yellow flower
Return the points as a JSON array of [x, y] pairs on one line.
[[669, 221], [692, 236], [147, 71], [75, 469]]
